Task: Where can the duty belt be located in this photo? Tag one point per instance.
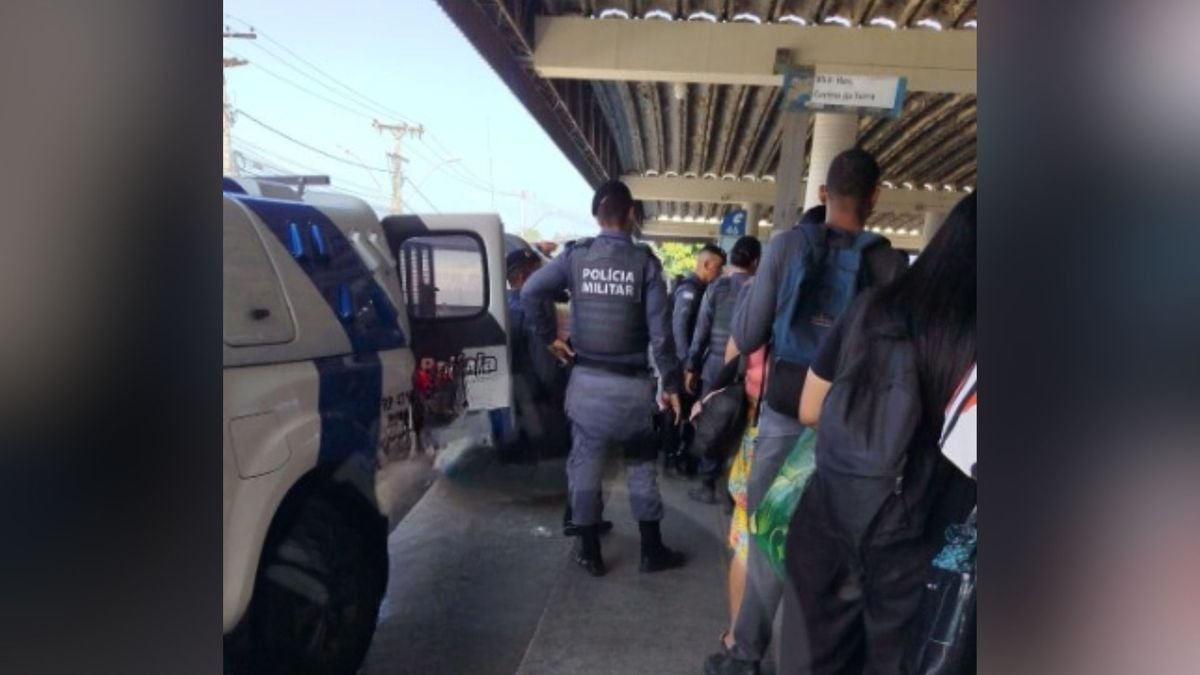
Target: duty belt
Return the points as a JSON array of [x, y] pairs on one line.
[[628, 370]]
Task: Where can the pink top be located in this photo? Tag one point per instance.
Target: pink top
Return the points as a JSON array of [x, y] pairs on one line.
[[756, 369]]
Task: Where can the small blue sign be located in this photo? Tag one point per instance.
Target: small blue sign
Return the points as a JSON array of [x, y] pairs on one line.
[[734, 224], [797, 87]]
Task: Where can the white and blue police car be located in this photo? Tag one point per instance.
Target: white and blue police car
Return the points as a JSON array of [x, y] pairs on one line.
[[334, 324]]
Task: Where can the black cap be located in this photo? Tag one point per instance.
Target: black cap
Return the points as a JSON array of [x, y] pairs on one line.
[[611, 189], [518, 259]]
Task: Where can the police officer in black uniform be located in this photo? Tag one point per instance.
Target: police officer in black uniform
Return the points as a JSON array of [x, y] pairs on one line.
[[619, 313], [685, 308]]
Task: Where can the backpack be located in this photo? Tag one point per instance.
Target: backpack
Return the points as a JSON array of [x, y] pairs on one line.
[[867, 437], [814, 292], [724, 301], [722, 417]]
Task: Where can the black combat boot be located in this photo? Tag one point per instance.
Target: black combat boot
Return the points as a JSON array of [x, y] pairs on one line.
[[686, 465], [655, 556], [723, 663], [570, 529], [587, 550]]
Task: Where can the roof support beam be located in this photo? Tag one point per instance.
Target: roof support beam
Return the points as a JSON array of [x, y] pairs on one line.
[[666, 230], [673, 189], [744, 53], [677, 189]]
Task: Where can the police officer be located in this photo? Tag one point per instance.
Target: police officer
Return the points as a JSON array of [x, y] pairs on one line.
[[618, 314], [706, 355], [685, 303]]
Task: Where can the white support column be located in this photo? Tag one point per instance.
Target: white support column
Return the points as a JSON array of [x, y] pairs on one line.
[[753, 215], [832, 133], [933, 222]]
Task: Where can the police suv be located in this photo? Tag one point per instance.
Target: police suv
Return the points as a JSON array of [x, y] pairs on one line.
[[360, 357]]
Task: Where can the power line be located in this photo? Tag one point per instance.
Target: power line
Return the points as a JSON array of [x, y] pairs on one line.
[[461, 173], [281, 164], [469, 180], [469, 174], [286, 165], [308, 91], [255, 161], [422, 196], [363, 109], [372, 102], [441, 152], [271, 154], [329, 155], [461, 179]]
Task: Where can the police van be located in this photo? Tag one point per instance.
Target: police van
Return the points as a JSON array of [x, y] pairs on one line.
[[360, 358]]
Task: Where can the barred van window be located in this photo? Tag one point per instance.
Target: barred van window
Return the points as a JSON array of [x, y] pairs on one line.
[[441, 275]]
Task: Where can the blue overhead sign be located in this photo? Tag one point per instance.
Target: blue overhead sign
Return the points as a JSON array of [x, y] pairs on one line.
[[734, 224], [797, 87]]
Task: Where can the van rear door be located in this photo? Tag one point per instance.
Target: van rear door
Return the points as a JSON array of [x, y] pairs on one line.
[[451, 270]]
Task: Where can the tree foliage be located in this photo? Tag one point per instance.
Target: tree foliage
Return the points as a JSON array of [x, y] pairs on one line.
[[677, 258], [531, 235]]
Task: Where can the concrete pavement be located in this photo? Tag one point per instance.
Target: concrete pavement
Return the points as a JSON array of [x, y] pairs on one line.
[[482, 582]]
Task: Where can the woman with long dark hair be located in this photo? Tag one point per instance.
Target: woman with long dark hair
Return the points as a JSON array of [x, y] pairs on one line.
[[872, 516]]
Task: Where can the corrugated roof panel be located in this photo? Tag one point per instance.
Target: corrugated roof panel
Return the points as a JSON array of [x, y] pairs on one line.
[[698, 130]]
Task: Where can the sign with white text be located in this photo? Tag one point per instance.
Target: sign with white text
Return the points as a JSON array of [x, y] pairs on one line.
[[866, 94]]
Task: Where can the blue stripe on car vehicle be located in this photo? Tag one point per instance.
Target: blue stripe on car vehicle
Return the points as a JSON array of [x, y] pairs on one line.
[[349, 392], [335, 270], [502, 422]]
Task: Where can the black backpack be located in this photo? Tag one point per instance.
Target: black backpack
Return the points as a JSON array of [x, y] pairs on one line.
[[866, 436], [722, 417]]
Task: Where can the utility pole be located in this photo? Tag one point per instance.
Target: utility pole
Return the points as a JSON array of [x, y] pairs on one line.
[[524, 208], [396, 158], [227, 166]]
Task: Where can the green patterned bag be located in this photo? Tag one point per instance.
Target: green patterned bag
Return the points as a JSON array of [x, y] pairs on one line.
[[769, 524]]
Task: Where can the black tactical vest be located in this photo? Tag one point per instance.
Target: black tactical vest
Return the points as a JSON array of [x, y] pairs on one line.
[[608, 306], [690, 282], [724, 299]]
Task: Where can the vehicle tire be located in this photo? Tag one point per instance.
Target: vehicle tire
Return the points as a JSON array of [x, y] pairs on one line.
[[317, 595]]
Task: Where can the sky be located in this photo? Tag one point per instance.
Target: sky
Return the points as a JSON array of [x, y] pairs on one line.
[[319, 73]]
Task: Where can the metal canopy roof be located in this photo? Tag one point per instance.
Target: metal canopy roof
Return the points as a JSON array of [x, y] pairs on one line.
[[699, 129]]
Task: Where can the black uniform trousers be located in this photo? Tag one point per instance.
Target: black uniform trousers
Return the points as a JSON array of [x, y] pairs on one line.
[[849, 609], [677, 437]]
